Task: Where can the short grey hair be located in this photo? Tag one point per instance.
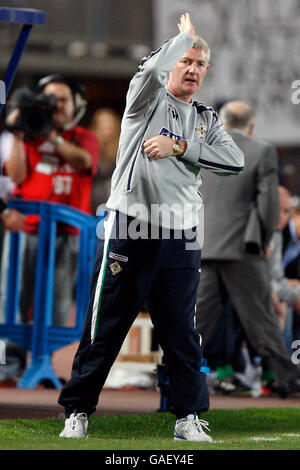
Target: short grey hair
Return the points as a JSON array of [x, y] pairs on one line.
[[202, 44]]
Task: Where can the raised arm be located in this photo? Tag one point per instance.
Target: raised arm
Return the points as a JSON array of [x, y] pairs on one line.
[[154, 70], [16, 166]]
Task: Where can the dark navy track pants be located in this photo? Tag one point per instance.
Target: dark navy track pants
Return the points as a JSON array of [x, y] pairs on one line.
[[127, 273]]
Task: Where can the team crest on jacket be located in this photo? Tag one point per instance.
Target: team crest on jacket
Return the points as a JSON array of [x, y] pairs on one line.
[[115, 268], [201, 130]]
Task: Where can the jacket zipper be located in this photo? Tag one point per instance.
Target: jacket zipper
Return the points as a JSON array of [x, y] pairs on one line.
[[130, 174]]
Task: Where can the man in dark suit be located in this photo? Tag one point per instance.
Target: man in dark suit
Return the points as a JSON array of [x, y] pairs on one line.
[[240, 214]]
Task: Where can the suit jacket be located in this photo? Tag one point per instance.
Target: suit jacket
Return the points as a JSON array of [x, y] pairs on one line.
[[241, 211]]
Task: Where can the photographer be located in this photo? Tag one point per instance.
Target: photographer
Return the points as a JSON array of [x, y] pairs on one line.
[[56, 167]]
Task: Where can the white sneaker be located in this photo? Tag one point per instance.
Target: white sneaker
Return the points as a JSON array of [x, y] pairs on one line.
[[75, 426], [190, 429]]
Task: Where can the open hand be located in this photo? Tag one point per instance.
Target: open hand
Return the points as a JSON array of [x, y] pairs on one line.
[[186, 26]]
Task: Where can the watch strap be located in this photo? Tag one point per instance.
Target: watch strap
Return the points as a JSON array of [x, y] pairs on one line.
[[3, 206], [59, 140], [176, 148]]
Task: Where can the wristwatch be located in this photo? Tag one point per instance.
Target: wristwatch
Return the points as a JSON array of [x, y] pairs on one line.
[[176, 149], [5, 212], [59, 140], [3, 206]]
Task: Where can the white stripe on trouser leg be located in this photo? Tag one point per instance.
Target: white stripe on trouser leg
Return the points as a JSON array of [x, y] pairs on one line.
[[108, 225], [195, 320]]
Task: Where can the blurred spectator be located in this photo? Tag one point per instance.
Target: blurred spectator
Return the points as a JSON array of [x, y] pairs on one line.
[[291, 263], [6, 184], [291, 242], [58, 168], [240, 217], [286, 292], [106, 125]]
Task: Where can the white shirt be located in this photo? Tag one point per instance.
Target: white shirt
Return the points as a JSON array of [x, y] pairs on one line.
[[6, 184]]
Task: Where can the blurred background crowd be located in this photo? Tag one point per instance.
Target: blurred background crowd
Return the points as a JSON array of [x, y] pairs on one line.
[[99, 43]]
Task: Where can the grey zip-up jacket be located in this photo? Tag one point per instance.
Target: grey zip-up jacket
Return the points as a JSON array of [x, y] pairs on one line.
[[166, 191]]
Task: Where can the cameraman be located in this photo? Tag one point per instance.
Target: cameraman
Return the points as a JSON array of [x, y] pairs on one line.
[[57, 168]]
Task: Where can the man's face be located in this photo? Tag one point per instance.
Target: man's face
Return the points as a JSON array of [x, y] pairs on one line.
[[65, 103], [188, 74], [285, 210]]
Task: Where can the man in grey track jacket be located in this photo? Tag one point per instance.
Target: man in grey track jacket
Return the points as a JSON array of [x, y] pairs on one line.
[[149, 173], [166, 138]]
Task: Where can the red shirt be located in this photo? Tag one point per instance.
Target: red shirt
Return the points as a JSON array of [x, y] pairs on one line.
[[51, 178]]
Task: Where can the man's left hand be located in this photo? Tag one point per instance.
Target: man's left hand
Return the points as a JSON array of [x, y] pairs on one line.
[[12, 219]]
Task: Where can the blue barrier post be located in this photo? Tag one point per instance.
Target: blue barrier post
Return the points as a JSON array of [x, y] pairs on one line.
[[14, 276], [27, 17], [163, 383], [42, 338]]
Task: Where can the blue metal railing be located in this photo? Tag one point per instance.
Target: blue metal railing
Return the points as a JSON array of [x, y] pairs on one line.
[[27, 17], [42, 338]]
